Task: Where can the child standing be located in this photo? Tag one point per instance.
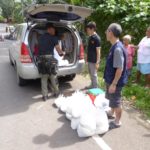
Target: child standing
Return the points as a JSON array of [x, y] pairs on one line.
[[130, 53]]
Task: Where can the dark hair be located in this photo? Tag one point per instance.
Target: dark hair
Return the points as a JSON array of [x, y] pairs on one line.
[[116, 29], [49, 25], [91, 25]]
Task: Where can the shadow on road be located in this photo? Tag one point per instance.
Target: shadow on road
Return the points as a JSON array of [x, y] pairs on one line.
[[147, 135], [62, 137], [15, 99]]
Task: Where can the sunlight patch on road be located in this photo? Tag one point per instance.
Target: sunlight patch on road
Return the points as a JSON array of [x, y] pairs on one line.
[[37, 96]]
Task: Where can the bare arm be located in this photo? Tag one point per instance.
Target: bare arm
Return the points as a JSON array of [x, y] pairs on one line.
[[118, 74], [98, 53], [135, 46], [59, 50]]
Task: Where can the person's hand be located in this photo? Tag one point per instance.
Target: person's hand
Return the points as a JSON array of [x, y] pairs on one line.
[[97, 66], [112, 89], [62, 53]]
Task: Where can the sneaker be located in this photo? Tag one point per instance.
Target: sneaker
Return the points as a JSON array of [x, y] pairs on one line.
[[56, 95], [45, 98], [113, 125], [110, 116]]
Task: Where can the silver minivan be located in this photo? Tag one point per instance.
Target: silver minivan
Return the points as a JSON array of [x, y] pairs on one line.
[[63, 17]]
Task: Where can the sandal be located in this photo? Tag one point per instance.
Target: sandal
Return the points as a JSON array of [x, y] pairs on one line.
[[110, 117], [113, 125]]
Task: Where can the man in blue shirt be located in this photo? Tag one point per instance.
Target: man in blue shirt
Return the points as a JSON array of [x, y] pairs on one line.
[[115, 74], [47, 42], [93, 53]]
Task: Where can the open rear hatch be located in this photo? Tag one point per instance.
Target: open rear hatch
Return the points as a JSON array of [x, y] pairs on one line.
[[56, 12]]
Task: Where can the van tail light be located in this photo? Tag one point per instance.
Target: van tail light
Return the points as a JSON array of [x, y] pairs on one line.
[[81, 56], [25, 56]]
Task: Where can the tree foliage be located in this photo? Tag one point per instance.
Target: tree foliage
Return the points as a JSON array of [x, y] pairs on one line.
[[7, 8], [42, 1], [133, 15]]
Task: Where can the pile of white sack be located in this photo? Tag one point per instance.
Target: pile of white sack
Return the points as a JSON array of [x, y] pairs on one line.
[[87, 118], [61, 61]]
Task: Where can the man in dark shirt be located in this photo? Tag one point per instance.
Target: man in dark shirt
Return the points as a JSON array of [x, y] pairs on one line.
[[47, 42], [93, 53]]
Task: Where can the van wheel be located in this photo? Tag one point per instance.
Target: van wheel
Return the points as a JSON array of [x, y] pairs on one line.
[[20, 81], [69, 77], [10, 60]]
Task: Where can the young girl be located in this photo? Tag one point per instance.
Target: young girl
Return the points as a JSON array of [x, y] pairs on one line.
[[130, 52]]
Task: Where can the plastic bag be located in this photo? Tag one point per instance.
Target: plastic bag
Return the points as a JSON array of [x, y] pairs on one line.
[[68, 116], [101, 101], [75, 123], [84, 132], [88, 120], [102, 124], [59, 101]]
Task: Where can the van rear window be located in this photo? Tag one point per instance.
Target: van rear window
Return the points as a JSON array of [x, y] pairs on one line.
[[56, 16]]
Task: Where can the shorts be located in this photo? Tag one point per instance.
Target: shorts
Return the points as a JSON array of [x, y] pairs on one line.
[[115, 98], [144, 68]]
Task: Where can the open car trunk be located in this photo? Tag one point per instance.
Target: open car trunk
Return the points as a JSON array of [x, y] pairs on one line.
[[67, 41], [56, 12]]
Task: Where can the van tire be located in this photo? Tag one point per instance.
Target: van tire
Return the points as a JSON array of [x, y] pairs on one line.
[[10, 60], [69, 77], [20, 81]]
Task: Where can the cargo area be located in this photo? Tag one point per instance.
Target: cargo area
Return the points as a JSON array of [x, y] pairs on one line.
[[67, 41]]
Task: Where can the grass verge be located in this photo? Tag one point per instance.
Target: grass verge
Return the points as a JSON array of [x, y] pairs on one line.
[[136, 94]]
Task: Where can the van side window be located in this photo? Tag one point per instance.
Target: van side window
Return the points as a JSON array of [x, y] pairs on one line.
[[19, 32], [15, 33]]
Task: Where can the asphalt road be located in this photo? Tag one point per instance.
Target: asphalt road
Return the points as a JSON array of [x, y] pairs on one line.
[[28, 123]]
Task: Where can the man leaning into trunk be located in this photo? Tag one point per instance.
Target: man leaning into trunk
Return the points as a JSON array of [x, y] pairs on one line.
[[47, 42]]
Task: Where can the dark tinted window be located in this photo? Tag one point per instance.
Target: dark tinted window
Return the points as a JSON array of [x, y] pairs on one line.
[[56, 16], [15, 34], [20, 28]]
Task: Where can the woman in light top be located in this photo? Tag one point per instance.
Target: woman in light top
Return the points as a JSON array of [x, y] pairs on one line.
[[143, 58]]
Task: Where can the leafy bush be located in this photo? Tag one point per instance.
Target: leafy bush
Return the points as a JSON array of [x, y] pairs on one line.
[[133, 15], [135, 93], [1, 18]]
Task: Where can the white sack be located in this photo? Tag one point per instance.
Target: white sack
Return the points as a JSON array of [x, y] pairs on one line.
[[59, 101], [75, 123], [84, 132], [102, 102], [68, 116], [88, 120], [102, 124]]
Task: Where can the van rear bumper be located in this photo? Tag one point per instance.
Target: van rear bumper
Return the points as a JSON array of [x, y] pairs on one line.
[[75, 69], [30, 71]]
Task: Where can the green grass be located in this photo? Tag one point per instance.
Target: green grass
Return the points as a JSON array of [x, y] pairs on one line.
[[135, 93]]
